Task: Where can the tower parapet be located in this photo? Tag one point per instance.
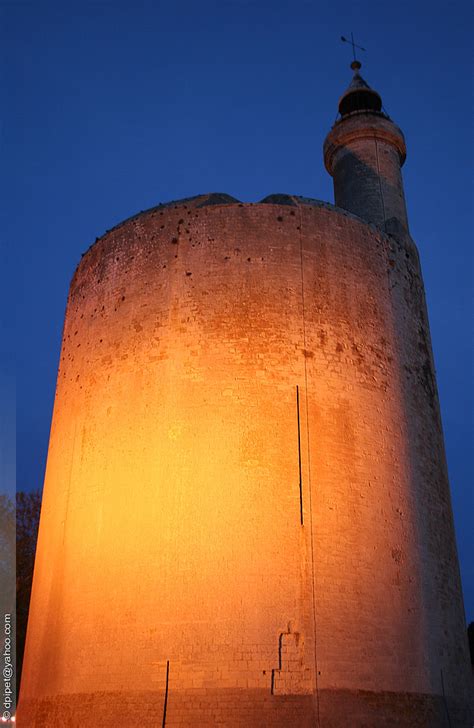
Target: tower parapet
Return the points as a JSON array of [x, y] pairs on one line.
[[364, 153]]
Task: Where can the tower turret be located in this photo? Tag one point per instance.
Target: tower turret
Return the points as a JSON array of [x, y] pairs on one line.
[[364, 153]]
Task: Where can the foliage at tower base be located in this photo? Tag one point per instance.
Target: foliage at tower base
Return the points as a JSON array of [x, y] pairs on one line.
[[28, 505]]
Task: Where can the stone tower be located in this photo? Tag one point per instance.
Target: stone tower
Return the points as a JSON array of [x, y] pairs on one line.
[[246, 517]]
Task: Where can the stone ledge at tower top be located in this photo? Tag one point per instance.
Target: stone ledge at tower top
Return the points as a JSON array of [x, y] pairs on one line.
[[209, 199], [213, 200]]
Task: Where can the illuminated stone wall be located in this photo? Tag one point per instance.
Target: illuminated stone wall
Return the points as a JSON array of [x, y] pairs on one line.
[[227, 372]]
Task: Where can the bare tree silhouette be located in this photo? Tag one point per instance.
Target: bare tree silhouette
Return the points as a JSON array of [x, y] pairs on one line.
[[28, 505]]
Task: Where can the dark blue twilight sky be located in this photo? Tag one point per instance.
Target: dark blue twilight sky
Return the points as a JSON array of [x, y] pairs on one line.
[[111, 107]]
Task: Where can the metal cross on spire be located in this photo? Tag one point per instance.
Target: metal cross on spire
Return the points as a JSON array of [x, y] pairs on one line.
[[353, 44]]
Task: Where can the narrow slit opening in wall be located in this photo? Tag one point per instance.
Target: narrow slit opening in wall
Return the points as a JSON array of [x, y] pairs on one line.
[[165, 705], [300, 477], [445, 701]]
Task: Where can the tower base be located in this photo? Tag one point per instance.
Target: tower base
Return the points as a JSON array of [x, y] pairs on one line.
[[241, 708]]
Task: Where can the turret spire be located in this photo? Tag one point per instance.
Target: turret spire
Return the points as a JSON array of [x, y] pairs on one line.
[[364, 152], [359, 96]]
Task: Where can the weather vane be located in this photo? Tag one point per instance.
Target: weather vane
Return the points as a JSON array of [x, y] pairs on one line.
[[354, 46]]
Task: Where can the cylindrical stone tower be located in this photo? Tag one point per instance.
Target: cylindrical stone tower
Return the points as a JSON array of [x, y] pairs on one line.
[[246, 517]]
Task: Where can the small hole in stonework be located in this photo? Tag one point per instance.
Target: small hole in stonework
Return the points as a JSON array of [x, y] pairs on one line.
[[123, 298], [180, 222], [162, 227], [174, 241], [279, 218], [116, 258], [298, 227], [293, 213], [188, 273], [175, 256], [100, 341], [164, 266]]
